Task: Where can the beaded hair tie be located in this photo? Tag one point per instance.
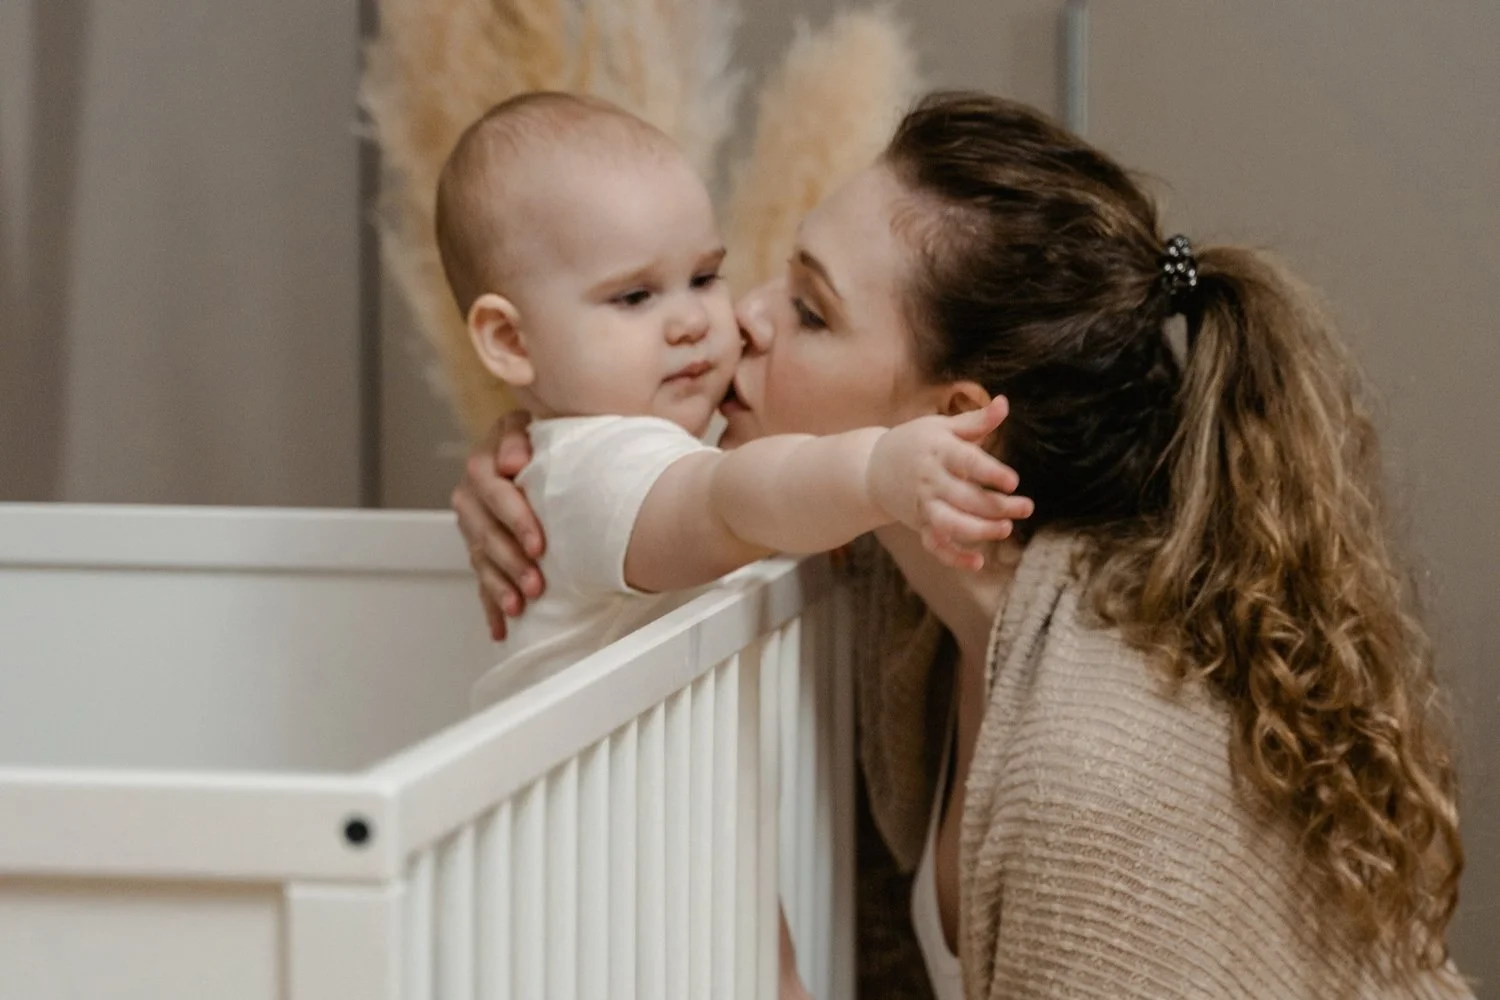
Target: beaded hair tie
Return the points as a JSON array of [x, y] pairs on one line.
[[1179, 270]]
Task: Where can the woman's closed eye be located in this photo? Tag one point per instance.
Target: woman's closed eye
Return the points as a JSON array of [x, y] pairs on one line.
[[805, 316], [705, 279]]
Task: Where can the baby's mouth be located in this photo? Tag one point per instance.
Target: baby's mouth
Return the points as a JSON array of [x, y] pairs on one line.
[[690, 372]]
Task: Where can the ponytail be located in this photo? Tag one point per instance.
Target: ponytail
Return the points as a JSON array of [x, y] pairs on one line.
[[1271, 578]]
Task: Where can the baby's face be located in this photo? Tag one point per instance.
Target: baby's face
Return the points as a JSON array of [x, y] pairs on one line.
[[622, 305]]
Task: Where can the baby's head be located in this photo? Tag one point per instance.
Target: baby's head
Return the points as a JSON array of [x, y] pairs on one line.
[[583, 251]]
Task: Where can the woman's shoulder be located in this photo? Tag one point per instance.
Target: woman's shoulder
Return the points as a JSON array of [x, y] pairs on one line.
[[1102, 797], [1069, 695]]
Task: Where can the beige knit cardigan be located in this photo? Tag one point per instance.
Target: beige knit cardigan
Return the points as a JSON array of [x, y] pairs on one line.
[[1105, 851]]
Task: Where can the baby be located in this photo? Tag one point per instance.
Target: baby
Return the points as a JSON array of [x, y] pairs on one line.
[[583, 252]]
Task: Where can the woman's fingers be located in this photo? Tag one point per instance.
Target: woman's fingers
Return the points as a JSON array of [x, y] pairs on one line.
[[510, 444], [507, 504], [500, 598], [516, 541], [493, 615], [491, 545]]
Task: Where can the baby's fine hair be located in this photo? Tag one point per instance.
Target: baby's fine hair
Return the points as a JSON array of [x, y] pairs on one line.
[[488, 162]]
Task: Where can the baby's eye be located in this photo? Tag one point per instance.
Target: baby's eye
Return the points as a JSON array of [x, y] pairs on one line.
[[631, 299], [809, 319], [706, 280]]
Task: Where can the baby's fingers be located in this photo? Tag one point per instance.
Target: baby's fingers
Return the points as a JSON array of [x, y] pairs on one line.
[[976, 425], [991, 505], [949, 554], [970, 462], [958, 528]]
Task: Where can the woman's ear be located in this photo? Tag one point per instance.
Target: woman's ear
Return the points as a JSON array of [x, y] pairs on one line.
[[495, 330], [961, 397]]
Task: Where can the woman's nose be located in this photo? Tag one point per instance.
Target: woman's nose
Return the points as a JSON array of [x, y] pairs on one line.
[[753, 312]]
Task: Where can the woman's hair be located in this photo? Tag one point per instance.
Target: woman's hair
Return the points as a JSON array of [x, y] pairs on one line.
[[1234, 492]]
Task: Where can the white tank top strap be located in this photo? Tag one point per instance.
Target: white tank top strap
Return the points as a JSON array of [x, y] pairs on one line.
[[942, 964]]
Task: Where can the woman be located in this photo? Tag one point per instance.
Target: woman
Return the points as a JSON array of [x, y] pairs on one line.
[[1190, 747]]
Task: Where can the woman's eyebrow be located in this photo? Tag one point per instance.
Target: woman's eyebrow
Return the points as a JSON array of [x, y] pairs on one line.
[[814, 265]]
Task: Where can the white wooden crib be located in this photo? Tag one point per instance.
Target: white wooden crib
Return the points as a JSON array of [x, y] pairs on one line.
[[236, 762]]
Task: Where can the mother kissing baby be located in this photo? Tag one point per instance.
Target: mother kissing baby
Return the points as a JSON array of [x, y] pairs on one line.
[[1177, 736]]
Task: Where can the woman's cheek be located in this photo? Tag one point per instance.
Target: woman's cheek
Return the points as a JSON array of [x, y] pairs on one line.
[[795, 395]]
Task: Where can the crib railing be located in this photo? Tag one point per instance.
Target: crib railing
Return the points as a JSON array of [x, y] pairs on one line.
[[622, 829]]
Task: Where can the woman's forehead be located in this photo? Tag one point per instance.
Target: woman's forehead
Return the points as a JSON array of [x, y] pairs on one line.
[[850, 234]]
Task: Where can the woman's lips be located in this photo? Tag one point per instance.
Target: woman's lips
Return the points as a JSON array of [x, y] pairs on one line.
[[731, 403]]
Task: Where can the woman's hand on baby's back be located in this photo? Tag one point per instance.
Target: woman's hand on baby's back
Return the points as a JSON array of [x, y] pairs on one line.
[[933, 475], [504, 537]]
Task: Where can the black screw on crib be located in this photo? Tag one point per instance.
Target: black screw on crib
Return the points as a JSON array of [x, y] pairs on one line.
[[358, 831]]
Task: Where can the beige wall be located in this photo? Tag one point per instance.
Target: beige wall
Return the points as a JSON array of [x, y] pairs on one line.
[[179, 182]]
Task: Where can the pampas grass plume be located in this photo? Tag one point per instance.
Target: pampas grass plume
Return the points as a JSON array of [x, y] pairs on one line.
[[823, 116]]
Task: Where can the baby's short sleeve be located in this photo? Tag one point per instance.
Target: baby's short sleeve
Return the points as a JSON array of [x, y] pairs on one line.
[[599, 472]]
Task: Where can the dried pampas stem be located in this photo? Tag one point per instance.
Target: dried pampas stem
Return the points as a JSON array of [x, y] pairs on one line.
[[824, 115]]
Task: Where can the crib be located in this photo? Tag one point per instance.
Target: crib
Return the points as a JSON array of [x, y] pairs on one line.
[[237, 761]]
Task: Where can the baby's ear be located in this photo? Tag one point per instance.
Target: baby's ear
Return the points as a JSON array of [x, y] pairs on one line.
[[495, 330]]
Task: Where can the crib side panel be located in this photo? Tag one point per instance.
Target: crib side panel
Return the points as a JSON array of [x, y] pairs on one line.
[[137, 940], [176, 638]]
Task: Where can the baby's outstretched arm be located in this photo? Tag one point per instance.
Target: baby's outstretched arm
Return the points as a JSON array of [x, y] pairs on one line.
[[714, 512]]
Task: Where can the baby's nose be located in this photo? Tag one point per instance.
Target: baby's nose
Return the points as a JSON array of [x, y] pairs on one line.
[[689, 324]]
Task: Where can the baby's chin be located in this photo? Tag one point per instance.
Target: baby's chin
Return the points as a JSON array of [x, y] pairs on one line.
[[698, 417]]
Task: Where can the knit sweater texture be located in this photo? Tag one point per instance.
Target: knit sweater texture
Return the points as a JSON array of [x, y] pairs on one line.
[[1106, 850]]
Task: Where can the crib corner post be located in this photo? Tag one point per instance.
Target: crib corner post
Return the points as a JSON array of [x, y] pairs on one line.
[[342, 941]]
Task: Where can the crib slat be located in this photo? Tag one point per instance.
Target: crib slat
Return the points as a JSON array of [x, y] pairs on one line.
[[818, 651], [700, 854], [749, 893], [806, 805], [841, 945], [419, 930], [455, 916], [725, 853], [530, 909], [593, 872], [562, 883], [623, 826], [768, 847], [790, 773], [493, 905], [651, 882], [679, 747]]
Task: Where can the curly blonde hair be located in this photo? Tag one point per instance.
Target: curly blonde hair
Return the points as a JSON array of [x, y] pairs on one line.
[[1233, 488]]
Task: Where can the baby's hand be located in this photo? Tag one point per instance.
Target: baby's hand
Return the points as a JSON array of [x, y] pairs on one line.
[[933, 475]]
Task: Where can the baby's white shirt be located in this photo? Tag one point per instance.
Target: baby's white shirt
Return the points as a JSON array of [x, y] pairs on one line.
[[586, 481]]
